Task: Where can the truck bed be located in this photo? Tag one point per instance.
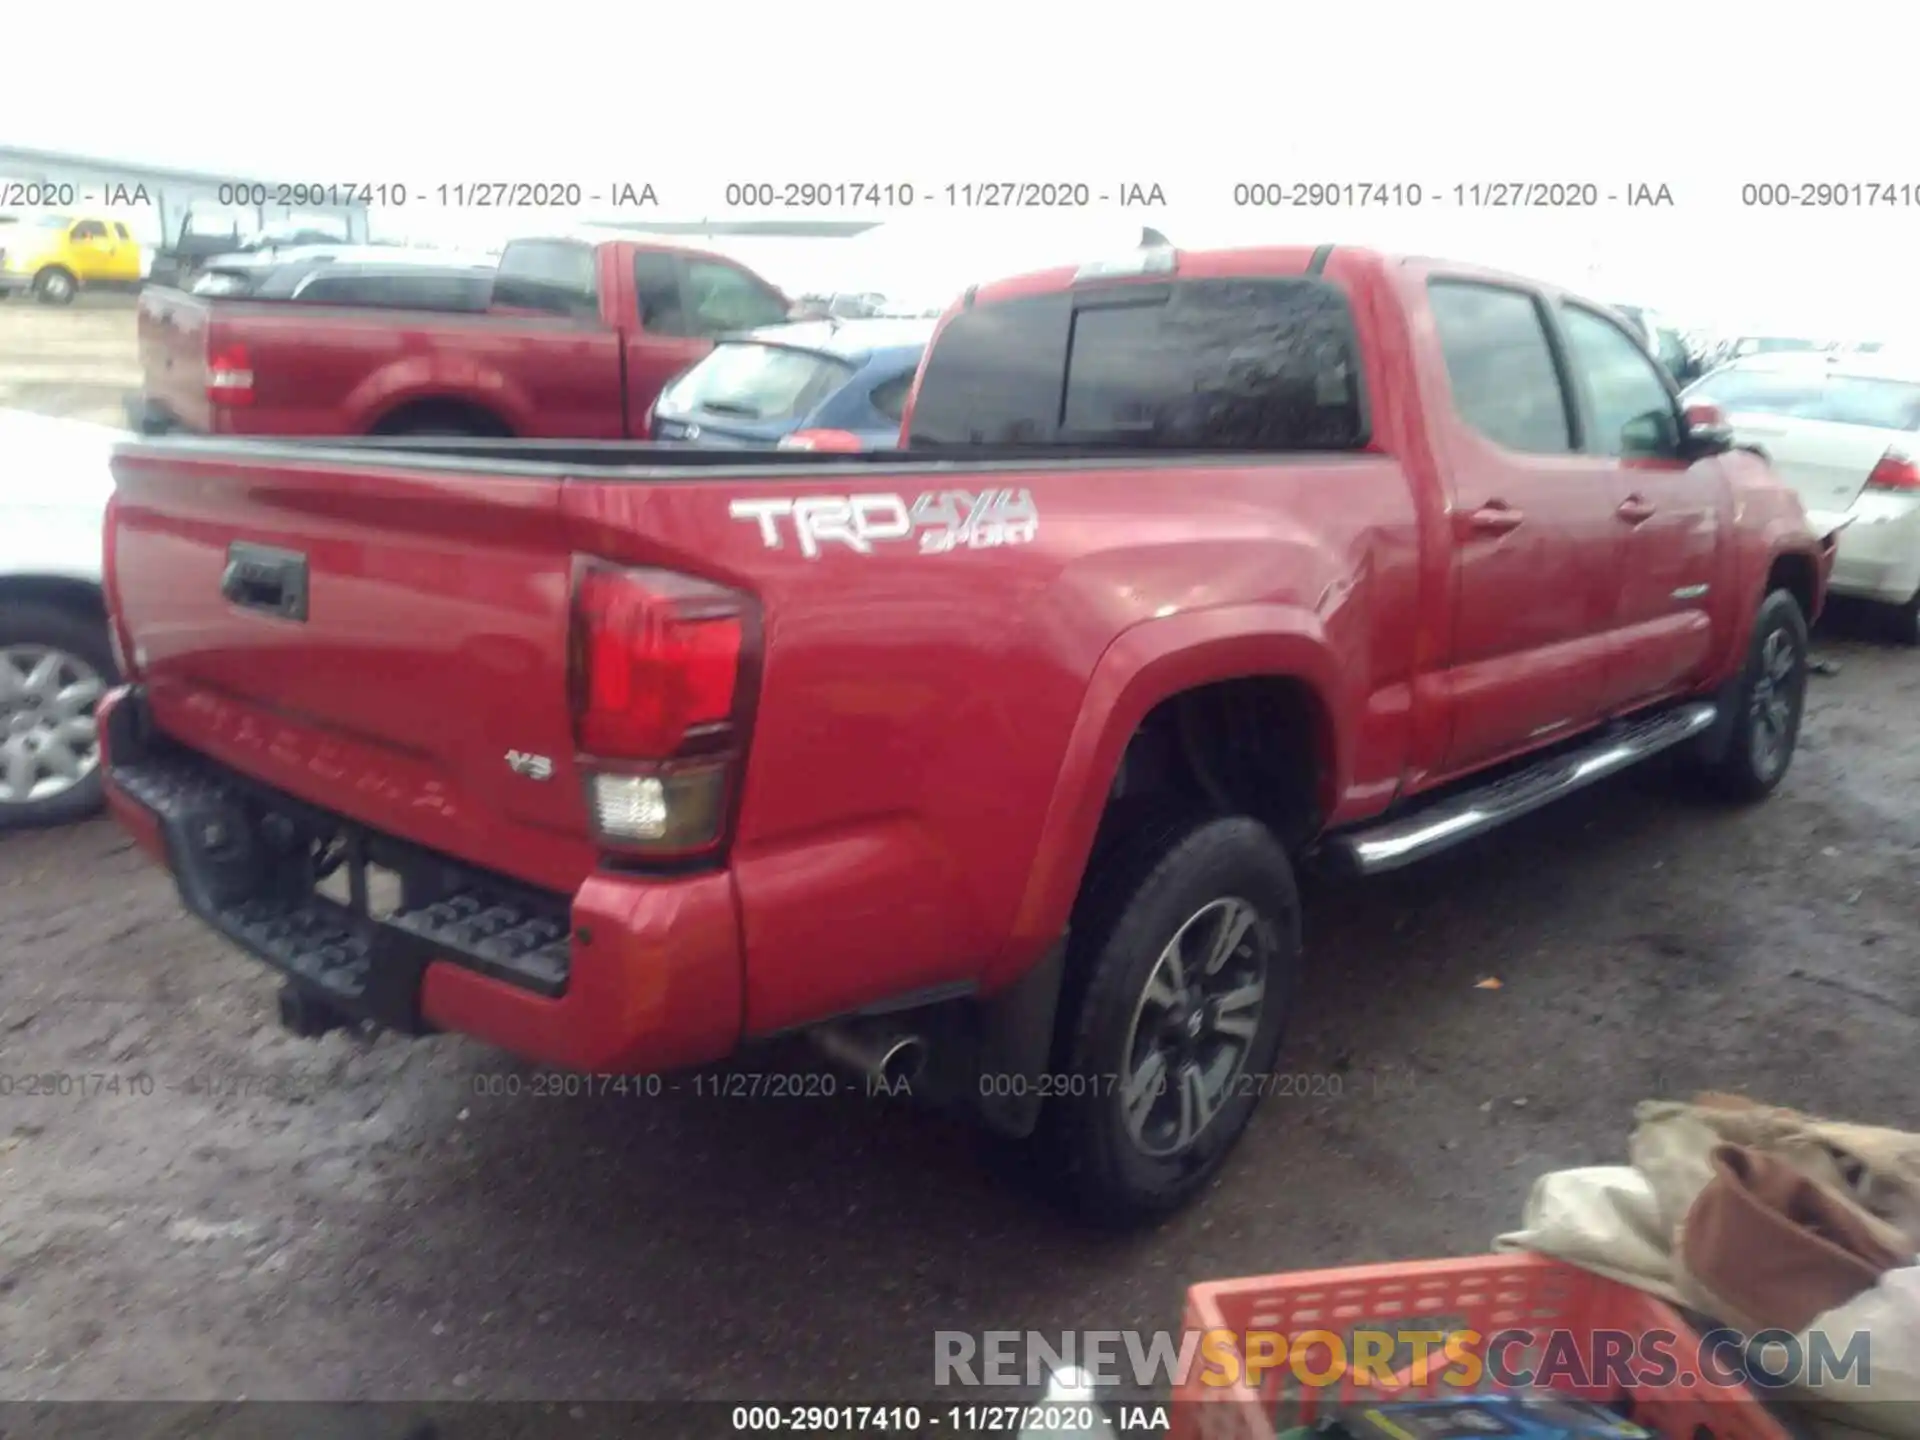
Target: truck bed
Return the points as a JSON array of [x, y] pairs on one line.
[[914, 703]]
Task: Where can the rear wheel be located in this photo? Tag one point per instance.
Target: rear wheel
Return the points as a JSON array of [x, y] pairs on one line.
[[54, 286], [1182, 962], [55, 664], [1767, 700]]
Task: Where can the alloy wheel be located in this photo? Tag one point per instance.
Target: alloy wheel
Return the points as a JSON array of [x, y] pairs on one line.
[[48, 740], [1775, 707], [1194, 1026]]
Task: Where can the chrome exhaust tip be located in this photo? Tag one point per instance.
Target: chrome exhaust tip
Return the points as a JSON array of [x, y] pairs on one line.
[[889, 1058]]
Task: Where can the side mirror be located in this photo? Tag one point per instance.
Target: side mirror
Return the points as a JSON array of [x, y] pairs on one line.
[[1707, 431]]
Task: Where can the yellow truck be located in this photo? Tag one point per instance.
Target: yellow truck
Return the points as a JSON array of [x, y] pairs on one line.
[[56, 256]]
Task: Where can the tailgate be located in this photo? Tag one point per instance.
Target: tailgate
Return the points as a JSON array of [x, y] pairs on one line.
[[374, 638], [173, 330]]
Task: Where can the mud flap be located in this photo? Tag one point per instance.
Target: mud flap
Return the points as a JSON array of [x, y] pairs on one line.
[[1712, 746], [1016, 1045]]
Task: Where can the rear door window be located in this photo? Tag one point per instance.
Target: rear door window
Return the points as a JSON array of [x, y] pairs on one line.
[[1500, 365], [1268, 365], [756, 382], [559, 277]]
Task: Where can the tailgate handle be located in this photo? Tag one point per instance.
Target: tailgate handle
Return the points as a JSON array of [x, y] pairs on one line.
[[259, 577]]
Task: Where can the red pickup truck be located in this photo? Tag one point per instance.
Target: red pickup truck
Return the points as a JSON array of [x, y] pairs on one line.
[[991, 765], [580, 338]]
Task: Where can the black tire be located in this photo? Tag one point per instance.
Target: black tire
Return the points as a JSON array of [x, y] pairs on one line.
[[1142, 893], [1767, 699], [1904, 621], [55, 285], [84, 637]]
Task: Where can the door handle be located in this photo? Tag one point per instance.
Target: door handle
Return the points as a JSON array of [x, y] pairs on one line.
[[1635, 510], [1496, 517]]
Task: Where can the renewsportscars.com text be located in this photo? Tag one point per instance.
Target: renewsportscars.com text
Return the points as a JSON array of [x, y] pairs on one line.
[[1399, 1359]]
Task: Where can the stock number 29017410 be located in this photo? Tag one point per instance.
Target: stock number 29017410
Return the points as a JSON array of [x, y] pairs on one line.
[[827, 1419]]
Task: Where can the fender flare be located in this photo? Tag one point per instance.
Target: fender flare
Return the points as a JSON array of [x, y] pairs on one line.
[[1782, 538], [1145, 664]]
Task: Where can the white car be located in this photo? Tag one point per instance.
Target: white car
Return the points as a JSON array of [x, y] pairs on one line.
[[1843, 429], [55, 656]]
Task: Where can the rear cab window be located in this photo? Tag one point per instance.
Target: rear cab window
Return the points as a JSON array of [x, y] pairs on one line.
[[756, 381], [1267, 364], [556, 277]]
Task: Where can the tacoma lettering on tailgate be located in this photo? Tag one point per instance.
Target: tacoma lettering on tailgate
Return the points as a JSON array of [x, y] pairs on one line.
[[942, 520]]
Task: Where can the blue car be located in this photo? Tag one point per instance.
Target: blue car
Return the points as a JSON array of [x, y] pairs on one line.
[[815, 384]]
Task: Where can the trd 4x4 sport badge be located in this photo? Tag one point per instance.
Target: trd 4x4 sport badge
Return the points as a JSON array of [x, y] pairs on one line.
[[943, 520]]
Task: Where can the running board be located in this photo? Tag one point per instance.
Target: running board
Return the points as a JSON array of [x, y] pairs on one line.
[[1459, 817]]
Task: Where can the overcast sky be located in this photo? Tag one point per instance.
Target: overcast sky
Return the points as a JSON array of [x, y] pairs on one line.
[[1193, 97]]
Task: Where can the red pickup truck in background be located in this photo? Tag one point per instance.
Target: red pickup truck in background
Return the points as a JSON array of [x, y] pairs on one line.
[[581, 337], [990, 766]]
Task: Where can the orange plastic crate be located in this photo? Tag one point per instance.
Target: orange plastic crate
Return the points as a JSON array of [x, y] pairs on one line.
[[1484, 1293]]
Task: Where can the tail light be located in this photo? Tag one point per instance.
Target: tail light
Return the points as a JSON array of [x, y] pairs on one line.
[[230, 376], [836, 442], [660, 671], [1896, 471]]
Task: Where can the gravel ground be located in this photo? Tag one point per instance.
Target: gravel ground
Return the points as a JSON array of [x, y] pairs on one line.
[[78, 360], [214, 1209], [218, 1210]]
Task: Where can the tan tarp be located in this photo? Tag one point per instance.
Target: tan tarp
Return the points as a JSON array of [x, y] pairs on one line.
[[1624, 1222]]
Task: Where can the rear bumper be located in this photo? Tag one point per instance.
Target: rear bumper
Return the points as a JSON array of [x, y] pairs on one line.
[[628, 975], [1879, 551], [13, 282]]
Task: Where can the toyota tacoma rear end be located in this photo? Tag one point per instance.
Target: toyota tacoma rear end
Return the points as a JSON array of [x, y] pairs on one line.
[[988, 763]]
